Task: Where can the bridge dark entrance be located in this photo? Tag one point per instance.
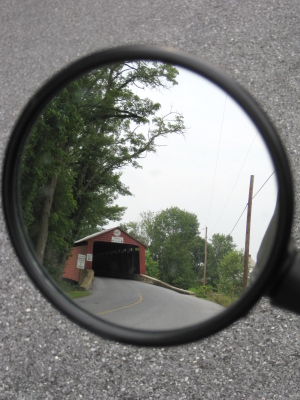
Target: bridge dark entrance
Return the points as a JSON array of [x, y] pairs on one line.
[[115, 259]]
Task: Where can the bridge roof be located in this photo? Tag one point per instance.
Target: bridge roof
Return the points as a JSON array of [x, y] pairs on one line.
[[94, 235]]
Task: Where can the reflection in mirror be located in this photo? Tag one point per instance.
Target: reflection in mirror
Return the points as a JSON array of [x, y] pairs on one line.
[[137, 183]]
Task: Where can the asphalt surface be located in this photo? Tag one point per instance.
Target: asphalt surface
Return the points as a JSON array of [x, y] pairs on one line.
[[45, 356], [139, 305]]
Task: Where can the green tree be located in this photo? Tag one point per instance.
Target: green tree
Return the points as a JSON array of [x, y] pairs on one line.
[[141, 230], [151, 266], [71, 171], [197, 250], [172, 236], [219, 247], [231, 273]]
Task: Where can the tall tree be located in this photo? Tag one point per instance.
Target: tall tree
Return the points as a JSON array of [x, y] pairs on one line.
[[71, 171]]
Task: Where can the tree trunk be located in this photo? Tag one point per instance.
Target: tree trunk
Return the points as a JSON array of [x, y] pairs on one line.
[[44, 222]]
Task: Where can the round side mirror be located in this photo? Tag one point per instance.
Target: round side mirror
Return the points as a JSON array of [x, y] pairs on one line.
[[138, 186]]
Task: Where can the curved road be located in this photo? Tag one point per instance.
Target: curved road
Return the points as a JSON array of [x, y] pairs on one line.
[[140, 305]]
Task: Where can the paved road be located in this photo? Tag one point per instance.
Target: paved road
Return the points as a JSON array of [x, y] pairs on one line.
[[140, 305]]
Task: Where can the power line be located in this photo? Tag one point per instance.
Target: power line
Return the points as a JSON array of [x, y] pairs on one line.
[[213, 186], [235, 181], [263, 185], [238, 219]]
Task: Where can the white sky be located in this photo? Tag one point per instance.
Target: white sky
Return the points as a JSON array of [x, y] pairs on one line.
[[207, 172]]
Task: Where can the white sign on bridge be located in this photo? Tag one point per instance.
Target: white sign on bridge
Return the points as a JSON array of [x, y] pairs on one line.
[[81, 261], [117, 239]]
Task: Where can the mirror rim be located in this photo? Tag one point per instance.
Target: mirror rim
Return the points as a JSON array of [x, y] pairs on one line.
[[42, 280]]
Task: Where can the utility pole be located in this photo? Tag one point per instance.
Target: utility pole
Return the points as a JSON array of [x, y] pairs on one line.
[[205, 260], [247, 242]]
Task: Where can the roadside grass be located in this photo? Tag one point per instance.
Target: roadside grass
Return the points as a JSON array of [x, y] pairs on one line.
[[211, 295], [73, 291], [69, 288], [76, 294]]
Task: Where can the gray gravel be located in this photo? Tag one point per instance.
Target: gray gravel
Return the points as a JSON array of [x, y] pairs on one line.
[[43, 355]]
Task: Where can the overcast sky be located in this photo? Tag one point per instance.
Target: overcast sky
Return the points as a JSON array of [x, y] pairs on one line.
[[206, 172]]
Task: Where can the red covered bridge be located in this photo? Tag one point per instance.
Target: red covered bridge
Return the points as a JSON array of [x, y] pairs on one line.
[[109, 253]]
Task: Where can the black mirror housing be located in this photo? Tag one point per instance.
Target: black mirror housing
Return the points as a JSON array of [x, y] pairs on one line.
[[275, 274]]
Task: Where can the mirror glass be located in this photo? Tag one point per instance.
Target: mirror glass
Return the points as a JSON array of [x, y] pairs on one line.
[[137, 184]]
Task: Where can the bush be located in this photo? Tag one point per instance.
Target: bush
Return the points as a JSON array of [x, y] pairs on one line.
[[217, 297]]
